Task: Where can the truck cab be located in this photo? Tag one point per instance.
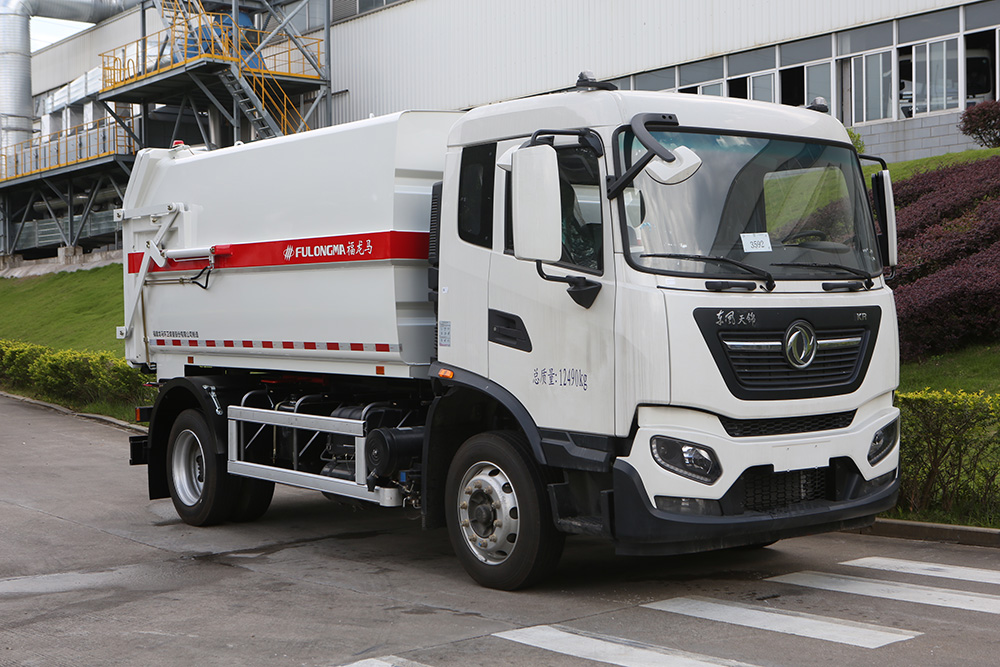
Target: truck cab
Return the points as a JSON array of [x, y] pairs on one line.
[[687, 296]]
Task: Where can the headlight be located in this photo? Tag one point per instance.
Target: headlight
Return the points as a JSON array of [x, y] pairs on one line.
[[883, 441], [686, 459]]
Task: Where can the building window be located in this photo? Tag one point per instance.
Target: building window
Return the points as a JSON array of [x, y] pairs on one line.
[[928, 77], [871, 87], [982, 15], [704, 77], [368, 5], [749, 75], [926, 26], [867, 38], [661, 79], [806, 50], [310, 17]]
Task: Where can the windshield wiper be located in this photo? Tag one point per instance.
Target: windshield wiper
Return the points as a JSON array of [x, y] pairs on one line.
[[749, 268], [839, 267]]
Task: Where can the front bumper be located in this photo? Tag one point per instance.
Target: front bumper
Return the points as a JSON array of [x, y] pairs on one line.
[[639, 528]]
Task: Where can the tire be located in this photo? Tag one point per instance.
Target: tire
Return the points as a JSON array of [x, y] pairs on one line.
[[200, 487], [251, 500], [498, 513]]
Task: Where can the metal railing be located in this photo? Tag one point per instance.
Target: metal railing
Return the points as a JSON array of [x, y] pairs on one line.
[[208, 36], [99, 138]]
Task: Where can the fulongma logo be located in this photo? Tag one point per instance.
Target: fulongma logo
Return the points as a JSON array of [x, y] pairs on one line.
[[800, 344], [310, 251]]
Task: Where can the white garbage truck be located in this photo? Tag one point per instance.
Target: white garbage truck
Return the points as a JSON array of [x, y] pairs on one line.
[[657, 318]]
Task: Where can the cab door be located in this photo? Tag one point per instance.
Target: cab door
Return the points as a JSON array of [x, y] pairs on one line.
[[554, 354]]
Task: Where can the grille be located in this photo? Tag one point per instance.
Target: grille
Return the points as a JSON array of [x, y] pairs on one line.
[[758, 359], [766, 491], [747, 428]]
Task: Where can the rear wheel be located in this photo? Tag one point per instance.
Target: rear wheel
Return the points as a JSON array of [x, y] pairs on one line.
[[199, 485], [498, 513]]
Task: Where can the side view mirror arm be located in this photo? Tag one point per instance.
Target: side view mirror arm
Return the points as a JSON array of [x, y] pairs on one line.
[[582, 290]]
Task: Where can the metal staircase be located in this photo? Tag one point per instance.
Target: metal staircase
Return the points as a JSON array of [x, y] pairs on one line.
[[256, 93], [248, 102]]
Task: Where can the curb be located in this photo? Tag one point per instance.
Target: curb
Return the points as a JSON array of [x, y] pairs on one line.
[[83, 415], [933, 532]]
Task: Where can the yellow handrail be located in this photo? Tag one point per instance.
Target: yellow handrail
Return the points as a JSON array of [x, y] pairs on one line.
[[205, 36], [99, 138]]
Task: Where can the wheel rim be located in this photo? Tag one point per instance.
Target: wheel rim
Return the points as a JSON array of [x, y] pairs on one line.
[[188, 468], [488, 512]]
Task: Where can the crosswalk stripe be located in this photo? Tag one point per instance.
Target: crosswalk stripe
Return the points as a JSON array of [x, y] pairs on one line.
[[610, 650], [976, 574], [853, 633], [940, 597], [386, 661]]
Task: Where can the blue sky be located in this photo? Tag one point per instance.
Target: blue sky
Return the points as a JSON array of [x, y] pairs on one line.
[[46, 31]]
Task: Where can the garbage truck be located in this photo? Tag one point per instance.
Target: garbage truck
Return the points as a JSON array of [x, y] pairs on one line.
[[658, 319]]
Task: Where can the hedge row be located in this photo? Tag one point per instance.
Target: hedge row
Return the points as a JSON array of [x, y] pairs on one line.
[[76, 378], [950, 455]]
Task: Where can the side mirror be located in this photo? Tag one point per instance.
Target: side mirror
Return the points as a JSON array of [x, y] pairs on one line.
[[885, 207], [536, 207], [684, 166]]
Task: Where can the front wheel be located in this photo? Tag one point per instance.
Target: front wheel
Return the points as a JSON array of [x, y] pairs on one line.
[[199, 485], [498, 513]]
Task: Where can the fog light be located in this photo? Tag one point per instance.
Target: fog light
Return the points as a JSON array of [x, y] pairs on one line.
[[686, 459], [883, 442], [689, 506]]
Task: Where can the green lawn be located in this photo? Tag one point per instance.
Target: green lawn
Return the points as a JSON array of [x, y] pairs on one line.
[[973, 369], [900, 171], [74, 311]]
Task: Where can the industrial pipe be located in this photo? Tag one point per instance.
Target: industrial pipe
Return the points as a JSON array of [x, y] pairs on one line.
[[16, 113]]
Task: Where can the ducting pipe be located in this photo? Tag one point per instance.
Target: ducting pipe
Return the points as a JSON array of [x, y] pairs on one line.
[[16, 113]]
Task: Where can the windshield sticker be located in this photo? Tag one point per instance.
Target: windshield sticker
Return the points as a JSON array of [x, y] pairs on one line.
[[759, 242], [560, 377]]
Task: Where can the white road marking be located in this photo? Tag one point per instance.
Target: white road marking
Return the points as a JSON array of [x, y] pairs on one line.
[[610, 650], [928, 569], [940, 597], [853, 633], [386, 661]]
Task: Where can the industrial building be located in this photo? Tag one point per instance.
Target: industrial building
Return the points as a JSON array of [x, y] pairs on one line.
[[151, 72]]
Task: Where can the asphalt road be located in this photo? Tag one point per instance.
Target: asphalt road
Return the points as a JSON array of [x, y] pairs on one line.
[[92, 573]]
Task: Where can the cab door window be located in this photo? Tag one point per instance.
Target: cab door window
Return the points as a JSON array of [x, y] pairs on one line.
[[582, 223]]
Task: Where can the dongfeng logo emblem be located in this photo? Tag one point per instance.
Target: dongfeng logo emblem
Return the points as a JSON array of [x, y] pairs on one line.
[[288, 253], [800, 344]]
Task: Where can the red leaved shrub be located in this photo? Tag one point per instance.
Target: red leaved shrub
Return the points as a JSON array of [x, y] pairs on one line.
[[940, 245], [947, 284], [982, 123], [951, 308], [931, 197]]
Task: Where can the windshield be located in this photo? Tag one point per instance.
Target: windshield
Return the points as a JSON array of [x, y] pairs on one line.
[[791, 208]]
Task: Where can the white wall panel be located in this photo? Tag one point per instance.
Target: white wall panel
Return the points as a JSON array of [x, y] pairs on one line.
[[462, 53], [60, 63]]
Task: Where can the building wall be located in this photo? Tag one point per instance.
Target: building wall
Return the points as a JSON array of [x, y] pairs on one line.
[[58, 64], [457, 53], [915, 138]]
